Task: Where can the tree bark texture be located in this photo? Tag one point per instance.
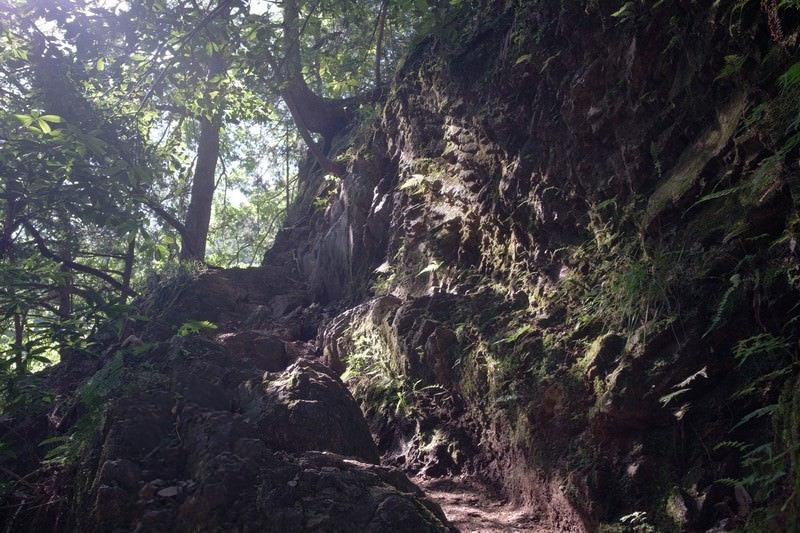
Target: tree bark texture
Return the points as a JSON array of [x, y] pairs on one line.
[[311, 113], [198, 216]]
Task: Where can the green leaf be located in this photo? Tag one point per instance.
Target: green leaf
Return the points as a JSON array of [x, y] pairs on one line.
[[194, 326], [758, 413], [143, 348], [763, 344], [413, 182], [26, 120], [58, 439], [6, 451], [702, 373], [95, 145], [733, 64], [100, 65], [384, 268], [664, 400], [790, 78], [714, 195], [433, 266], [523, 59], [624, 11], [516, 334]]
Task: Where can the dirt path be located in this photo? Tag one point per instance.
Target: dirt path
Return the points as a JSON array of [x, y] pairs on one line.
[[474, 508]]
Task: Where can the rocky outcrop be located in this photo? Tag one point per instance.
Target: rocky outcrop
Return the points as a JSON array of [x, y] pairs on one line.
[[591, 242], [307, 408], [195, 425]]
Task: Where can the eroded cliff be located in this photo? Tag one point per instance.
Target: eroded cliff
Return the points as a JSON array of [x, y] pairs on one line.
[[578, 223]]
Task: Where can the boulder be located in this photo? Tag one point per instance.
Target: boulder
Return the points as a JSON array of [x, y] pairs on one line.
[[176, 461], [307, 408]]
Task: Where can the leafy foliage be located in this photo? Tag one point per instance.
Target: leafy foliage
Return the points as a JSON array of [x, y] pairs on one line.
[[101, 114], [191, 327]]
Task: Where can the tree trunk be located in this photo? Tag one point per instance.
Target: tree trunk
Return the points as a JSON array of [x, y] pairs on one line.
[[13, 201], [198, 215], [326, 116], [287, 169], [67, 249], [19, 332], [63, 291], [127, 272], [379, 41], [311, 113]]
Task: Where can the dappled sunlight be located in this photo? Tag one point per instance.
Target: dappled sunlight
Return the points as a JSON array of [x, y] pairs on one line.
[[291, 265]]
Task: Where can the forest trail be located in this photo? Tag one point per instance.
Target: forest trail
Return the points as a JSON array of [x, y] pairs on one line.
[[475, 508]]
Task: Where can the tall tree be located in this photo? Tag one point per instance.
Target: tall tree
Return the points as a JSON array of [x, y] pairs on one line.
[[198, 215], [111, 114]]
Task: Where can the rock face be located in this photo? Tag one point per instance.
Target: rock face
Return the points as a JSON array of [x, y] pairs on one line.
[[591, 233], [217, 431]]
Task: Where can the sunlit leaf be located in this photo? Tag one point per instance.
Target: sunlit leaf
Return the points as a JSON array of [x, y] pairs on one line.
[[26, 120], [433, 266], [523, 59]]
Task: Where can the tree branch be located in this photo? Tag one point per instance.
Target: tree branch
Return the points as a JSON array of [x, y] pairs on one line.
[[168, 217], [379, 42], [178, 110], [224, 4], [336, 168], [41, 245]]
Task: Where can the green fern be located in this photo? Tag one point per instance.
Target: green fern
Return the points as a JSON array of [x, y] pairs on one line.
[[94, 394], [767, 410], [733, 64], [626, 12], [724, 304], [764, 343], [714, 195], [790, 78], [763, 469]]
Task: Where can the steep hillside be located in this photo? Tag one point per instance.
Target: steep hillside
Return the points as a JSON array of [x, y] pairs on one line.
[[563, 260], [567, 249]]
